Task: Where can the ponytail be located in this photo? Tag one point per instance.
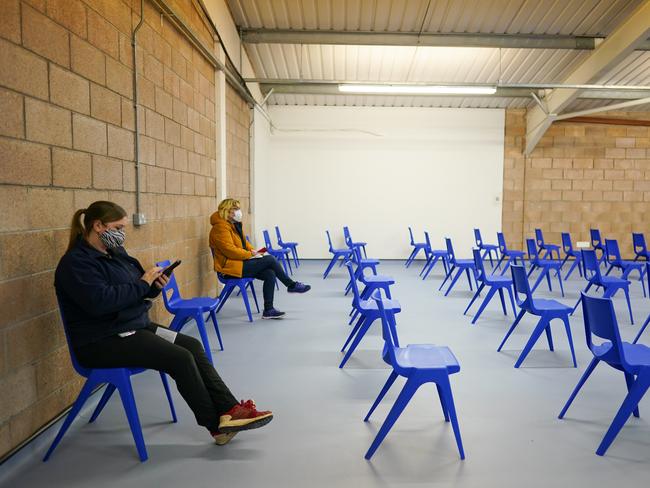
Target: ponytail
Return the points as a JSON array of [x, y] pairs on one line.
[[103, 211], [76, 228]]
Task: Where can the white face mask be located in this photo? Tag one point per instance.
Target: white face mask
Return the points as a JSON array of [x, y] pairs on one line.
[[237, 215]]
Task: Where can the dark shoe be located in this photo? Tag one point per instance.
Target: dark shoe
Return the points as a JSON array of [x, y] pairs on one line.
[[272, 313], [299, 288], [222, 438], [244, 416]]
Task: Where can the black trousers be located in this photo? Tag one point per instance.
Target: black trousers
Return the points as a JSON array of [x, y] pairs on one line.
[[184, 360], [266, 268]]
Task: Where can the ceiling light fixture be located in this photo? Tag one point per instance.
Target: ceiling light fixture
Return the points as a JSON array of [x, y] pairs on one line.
[[417, 89]]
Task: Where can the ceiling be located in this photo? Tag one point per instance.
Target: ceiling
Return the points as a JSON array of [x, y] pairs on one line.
[[292, 66]]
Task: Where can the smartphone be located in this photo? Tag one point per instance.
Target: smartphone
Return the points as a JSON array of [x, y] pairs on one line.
[[168, 270]]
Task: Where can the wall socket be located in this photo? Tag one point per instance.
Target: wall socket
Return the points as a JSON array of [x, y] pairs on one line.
[[139, 219]]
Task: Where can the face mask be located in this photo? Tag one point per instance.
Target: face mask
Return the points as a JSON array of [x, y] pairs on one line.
[[238, 215], [112, 238]]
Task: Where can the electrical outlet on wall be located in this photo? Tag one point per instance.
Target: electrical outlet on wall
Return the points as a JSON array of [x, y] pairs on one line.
[[139, 219]]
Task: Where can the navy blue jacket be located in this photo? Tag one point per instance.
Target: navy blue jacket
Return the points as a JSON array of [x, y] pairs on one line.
[[101, 294]]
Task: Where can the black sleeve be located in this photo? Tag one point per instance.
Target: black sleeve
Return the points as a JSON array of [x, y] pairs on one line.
[[154, 291], [84, 283]]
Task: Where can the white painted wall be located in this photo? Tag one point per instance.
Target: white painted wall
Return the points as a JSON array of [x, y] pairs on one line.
[[379, 170]]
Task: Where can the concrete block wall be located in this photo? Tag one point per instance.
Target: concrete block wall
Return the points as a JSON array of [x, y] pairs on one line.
[[578, 177], [238, 122], [66, 139]]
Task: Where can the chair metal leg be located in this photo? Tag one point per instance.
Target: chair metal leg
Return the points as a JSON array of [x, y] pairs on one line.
[[512, 328], [449, 402], [539, 328], [503, 301], [213, 316], [389, 382], [443, 404], [629, 382], [131, 410], [168, 394], [108, 392], [590, 369], [85, 392], [486, 300], [631, 401], [410, 387], [471, 302], [353, 332], [567, 327], [244, 296], [363, 328]]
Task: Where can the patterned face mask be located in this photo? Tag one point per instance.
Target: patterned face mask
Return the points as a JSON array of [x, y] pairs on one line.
[[112, 238]]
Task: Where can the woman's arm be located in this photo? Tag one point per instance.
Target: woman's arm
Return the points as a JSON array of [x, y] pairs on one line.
[[88, 288], [221, 238]]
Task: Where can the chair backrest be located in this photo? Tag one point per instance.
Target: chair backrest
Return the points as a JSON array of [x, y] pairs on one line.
[[596, 239], [532, 250], [539, 237], [501, 240], [267, 240], [612, 251], [73, 358], [411, 236], [427, 241], [329, 240], [278, 235], [477, 238], [478, 263], [353, 281], [347, 236], [169, 299], [389, 340], [591, 266], [450, 250], [638, 242], [600, 321], [567, 246], [523, 295]]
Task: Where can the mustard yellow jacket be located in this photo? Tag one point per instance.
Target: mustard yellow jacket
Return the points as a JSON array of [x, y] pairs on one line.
[[227, 250]]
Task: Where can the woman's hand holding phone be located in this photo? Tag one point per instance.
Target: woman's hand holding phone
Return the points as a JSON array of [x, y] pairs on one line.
[[152, 275]]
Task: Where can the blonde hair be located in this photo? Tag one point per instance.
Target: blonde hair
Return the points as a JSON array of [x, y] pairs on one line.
[[226, 205]]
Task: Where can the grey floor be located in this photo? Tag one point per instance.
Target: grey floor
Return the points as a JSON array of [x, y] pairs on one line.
[[508, 417]]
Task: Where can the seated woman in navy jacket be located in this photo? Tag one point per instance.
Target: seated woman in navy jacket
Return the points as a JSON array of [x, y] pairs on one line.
[[105, 296]]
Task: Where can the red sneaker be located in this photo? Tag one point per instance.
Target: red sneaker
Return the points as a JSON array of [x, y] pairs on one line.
[[244, 416]]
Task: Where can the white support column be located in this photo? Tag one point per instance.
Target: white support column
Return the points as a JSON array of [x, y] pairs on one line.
[[220, 87], [626, 37]]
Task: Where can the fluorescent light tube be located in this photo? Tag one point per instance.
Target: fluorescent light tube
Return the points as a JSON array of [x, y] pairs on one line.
[[418, 89]]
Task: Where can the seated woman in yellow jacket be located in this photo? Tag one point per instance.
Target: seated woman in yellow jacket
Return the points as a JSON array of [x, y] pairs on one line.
[[234, 256]]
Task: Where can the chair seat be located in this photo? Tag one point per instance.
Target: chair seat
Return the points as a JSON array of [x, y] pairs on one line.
[[419, 245], [495, 279], [439, 252], [637, 355], [550, 305], [374, 279], [276, 250], [489, 246], [551, 246], [632, 264], [341, 251], [465, 262], [426, 356], [367, 262], [288, 244], [549, 263], [371, 305], [203, 303], [359, 243], [613, 280], [515, 253]]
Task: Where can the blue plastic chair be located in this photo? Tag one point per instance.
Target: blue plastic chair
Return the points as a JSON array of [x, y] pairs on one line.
[[494, 283], [610, 284], [352, 244], [362, 264], [514, 256], [633, 360], [281, 254], [367, 312], [486, 248], [546, 310], [371, 283], [639, 246], [598, 244], [465, 265], [433, 256], [548, 249], [418, 364], [292, 246], [545, 265], [344, 254], [116, 379], [417, 247], [647, 320], [567, 247], [186, 309], [613, 258]]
